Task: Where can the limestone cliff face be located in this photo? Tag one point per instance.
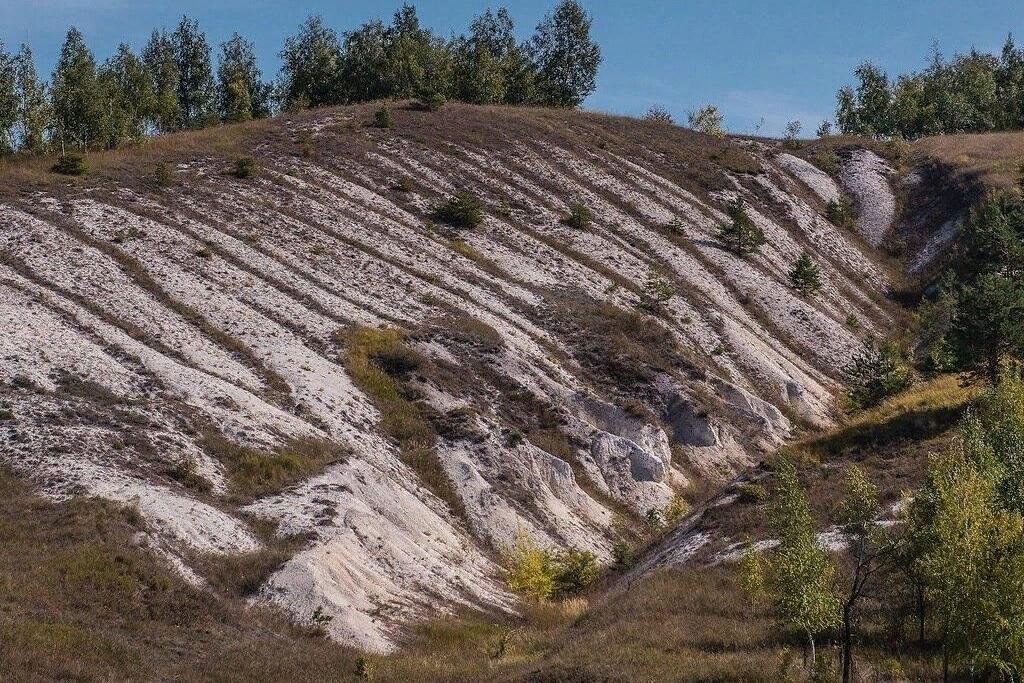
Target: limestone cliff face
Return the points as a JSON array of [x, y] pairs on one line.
[[626, 360]]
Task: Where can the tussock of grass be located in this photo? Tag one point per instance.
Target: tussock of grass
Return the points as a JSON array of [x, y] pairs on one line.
[[369, 356], [253, 472]]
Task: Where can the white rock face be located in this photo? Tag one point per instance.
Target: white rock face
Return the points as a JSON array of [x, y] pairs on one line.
[[865, 176], [135, 323]]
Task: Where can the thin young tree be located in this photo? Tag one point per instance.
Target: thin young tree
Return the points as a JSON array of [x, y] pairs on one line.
[[158, 57], [8, 101], [873, 550], [565, 56], [76, 105], [34, 111], [241, 92], [197, 93], [798, 576]]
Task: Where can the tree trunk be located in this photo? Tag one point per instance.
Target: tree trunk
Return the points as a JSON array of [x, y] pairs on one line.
[[814, 659], [847, 642], [920, 613]]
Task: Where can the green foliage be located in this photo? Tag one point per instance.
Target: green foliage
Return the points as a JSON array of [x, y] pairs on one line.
[[382, 118], [579, 217], [163, 175], [740, 235], [430, 99], [824, 130], [541, 574], [752, 493], [71, 164], [128, 98], [197, 93], [805, 276], [973, 544], [8, 100], [241, 92], [310, 66], [791, 134], [565, 57], [799, 575], [875, 373], [841, 212], [707, 120], [463, 210], [245, 167], [972, 322], [973, 92], [76, 105], [162, 65]]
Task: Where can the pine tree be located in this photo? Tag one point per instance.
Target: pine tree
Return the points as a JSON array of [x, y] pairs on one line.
[[158, 57], [197, 94], [34, 111], [874, 374], [76, 105], [805, 276], [986, 329], [565, 56], [311, 67], [740, 235], [8, 101], [241, 92]]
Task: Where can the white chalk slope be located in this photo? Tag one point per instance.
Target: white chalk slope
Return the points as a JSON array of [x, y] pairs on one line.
[[133, 320]]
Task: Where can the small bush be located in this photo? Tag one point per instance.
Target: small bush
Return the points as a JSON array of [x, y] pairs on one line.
[[574, 571], [805, 276], [307, 148], [430, 99], [676, 509], [163, 175], [245, 167], [404, 184], [464, 210], [707, 120], [186, 472], [658, 114], [382, 118], [579, 217], [71, 164], [623, 555], [529, 569], [753, 494], [740, 235], [874, 374], [793, 129], [841, 213], [828, 161]]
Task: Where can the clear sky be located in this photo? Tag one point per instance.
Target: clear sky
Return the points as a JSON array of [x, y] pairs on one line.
[[780, 60]]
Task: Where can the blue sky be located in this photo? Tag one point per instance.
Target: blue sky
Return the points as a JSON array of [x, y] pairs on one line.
[[771, 59]]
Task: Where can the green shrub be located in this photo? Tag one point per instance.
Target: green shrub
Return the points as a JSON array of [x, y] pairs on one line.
[[463, 210], [574, 571], [245, 167], [740, 235], [430, 99], [541, 574], [805, 276], [579, 217], [71, 164], [623, 555], [707, 120], [754, 494], [676, 509], [658, 114], [828, 161], [841, 213], [874, 374], [163, 175], [382, 118]]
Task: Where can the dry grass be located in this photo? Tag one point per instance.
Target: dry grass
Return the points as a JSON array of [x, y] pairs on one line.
[[370, 361], [254, 473], [79, 602], [993, 159]]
